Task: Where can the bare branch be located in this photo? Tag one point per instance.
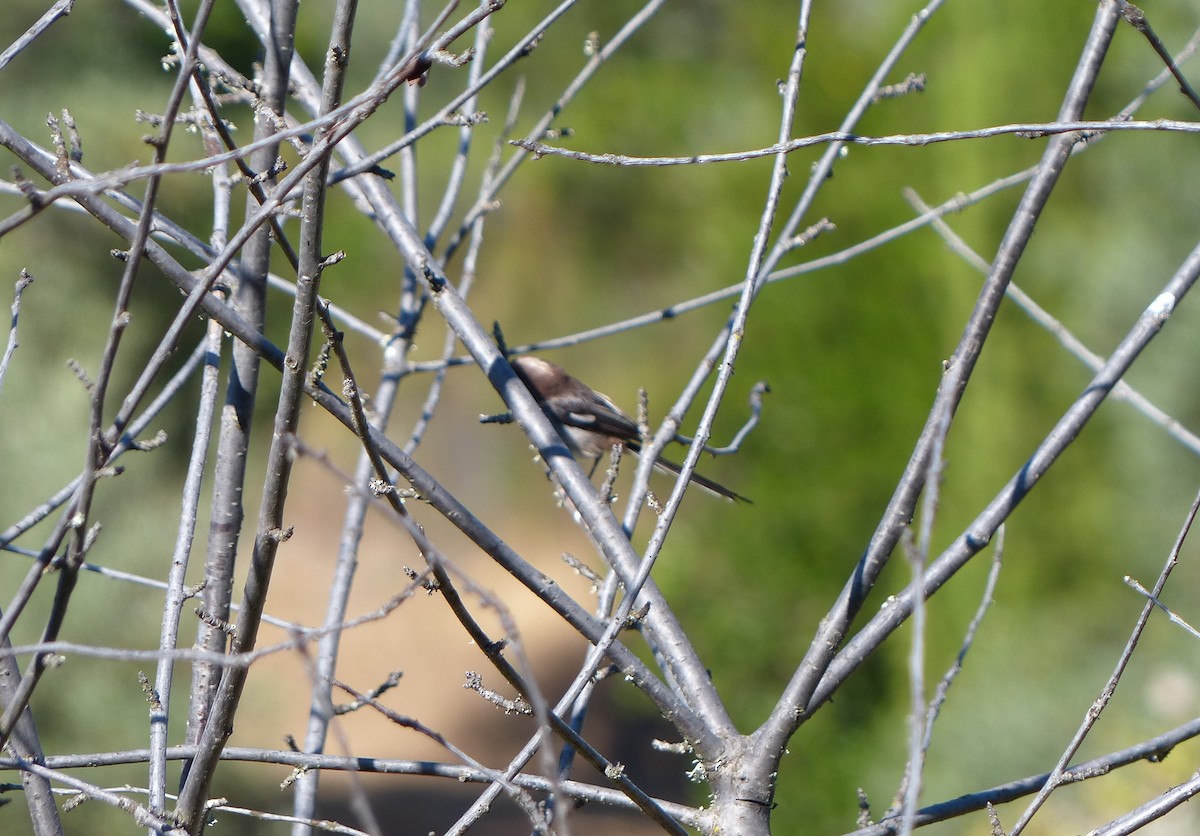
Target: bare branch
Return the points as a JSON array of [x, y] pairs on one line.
[[1026, 130]]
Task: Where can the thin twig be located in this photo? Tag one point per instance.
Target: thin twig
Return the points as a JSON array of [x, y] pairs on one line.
[[59, 10], [176, 595], [918, 557], [1154, 750], [1139, 817], [141, 816], [1024, 130], [1175, 619], [1093, 712], [10, 348], [1137, 19], [689, 816]]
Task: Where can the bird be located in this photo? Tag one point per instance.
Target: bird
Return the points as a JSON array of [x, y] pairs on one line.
[[588, 421]]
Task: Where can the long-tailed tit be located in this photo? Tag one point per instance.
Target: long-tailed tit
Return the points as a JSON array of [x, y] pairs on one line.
[[589, 422]]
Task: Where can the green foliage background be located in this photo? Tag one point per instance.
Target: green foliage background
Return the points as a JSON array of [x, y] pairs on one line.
[[853, 354]]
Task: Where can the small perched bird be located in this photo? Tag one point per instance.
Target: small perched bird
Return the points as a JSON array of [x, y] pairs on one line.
[[589, 422]]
